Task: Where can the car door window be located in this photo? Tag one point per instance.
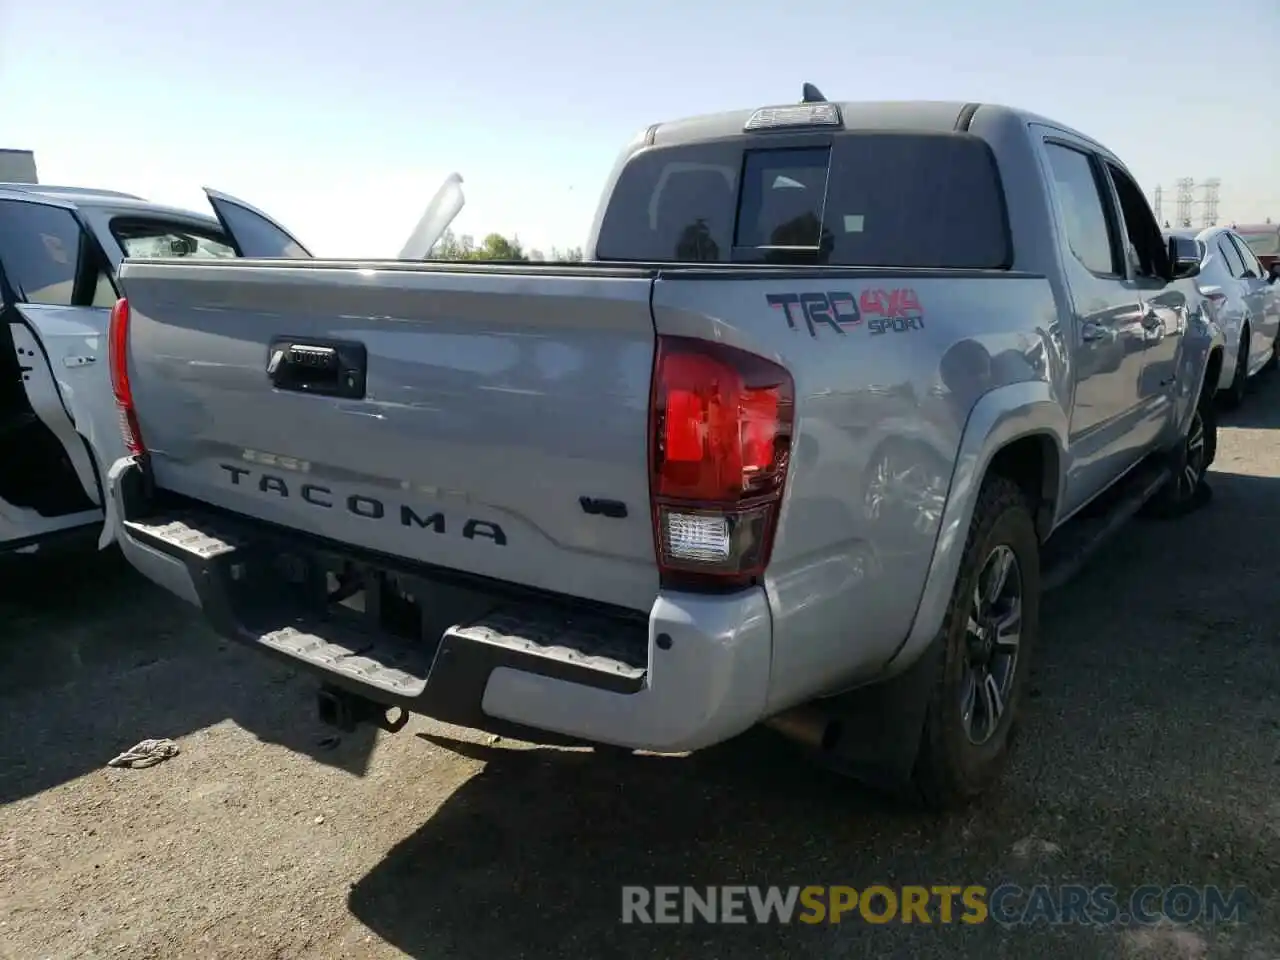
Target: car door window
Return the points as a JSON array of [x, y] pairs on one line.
[[1252, 264], [1149, 253], [1230, 256], [1084, 207], [49, 259], [154, 238], [40, 248], [104, 290], [253, 233]]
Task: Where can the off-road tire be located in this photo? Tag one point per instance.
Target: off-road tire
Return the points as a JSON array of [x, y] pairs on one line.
[[949, 770]]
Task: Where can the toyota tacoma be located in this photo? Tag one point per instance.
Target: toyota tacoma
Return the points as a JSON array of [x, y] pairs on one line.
[[840, 390]]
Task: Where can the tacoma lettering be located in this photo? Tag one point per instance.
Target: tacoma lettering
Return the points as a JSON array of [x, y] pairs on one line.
[[357, 504]]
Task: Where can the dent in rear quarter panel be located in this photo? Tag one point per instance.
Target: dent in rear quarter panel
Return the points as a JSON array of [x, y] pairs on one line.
[[879, 422], [495, 397]]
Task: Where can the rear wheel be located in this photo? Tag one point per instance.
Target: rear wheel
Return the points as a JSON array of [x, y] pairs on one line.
[[1234, 394], [987, 638]]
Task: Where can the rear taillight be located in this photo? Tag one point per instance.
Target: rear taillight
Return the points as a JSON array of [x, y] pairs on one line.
[[118, 354], [720, 440]]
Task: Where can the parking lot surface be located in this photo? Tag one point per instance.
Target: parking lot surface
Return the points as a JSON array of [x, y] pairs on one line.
[[1150, 754]]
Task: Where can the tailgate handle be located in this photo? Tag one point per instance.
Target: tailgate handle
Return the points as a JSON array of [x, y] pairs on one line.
[[327, 368]]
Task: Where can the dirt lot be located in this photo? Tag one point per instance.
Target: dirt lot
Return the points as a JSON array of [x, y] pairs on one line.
[[1151, 754]]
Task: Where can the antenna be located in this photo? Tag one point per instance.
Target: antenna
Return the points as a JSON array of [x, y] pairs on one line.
[[812, 94]]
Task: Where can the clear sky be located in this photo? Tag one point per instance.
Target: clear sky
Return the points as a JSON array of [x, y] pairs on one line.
[[341, 124]]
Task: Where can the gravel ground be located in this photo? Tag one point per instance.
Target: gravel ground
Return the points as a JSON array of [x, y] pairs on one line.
[[1151, 754]]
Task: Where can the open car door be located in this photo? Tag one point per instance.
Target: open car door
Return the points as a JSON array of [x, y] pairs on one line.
[[252, 232], [435, 220], [55, 394]]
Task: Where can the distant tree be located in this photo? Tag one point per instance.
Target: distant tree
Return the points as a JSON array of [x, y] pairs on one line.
[[451, 247], [496, 247], [572, 255]]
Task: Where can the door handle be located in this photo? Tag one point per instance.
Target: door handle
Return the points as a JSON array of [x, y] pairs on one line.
[[1092, 332], [327, 368]]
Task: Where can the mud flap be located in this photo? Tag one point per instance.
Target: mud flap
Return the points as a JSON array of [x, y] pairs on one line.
[[871, 734]]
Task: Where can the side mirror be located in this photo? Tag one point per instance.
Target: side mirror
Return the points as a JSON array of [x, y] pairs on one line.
[[1184, 257], [1273, 272]]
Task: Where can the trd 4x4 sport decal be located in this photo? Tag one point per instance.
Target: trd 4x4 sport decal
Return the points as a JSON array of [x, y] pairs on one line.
[[883, 311]]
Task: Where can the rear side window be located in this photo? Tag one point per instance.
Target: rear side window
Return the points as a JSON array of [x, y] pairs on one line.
[[40, 250], [1079, 190], [859, 199], [152, 238], [1252, 264], [1230, 256]]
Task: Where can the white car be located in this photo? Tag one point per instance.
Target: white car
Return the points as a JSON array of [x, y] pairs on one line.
[[60, 248], [1244, 300]]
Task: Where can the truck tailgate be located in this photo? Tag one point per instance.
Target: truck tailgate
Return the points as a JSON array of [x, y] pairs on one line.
[[497, 432]]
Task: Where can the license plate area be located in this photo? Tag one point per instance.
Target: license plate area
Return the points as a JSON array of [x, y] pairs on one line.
[[386, 601]]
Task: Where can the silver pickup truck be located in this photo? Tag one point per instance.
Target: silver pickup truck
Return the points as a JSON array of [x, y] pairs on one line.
[[841, 388]]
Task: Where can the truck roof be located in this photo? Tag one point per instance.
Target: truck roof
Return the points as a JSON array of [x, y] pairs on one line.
[[941, 116]]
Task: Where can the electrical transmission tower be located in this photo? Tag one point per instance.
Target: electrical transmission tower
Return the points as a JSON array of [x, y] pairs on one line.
[[1158, 199], [1209, 216], [1186, 198]]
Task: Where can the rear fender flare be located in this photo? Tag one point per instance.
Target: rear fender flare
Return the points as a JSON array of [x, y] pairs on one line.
[[1000, 417]]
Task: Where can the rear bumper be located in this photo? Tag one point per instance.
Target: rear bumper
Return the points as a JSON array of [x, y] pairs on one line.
[[696, 673]]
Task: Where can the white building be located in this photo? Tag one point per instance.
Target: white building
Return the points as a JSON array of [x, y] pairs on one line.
[[17, 166]]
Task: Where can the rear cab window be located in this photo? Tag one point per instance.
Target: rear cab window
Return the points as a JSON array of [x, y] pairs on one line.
[[857, 198]]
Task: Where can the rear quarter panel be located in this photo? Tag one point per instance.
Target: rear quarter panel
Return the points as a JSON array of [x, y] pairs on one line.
[[881, 407]]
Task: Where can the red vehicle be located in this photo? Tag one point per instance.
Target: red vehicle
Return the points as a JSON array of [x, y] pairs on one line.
[[1263, 239]]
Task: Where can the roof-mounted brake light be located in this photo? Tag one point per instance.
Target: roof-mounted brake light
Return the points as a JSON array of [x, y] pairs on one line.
[[799, 115]]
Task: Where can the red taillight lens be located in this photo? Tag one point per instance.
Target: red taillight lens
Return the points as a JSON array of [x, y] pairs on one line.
[[720, 424], [118, 358]]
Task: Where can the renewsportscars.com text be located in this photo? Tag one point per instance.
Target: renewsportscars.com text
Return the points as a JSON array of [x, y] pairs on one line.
[[1007, 904]]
